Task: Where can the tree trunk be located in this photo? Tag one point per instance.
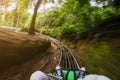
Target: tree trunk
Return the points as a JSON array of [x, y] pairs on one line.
[[15, 18], [32, 28]]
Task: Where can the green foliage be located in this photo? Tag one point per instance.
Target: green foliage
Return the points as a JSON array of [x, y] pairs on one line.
[[81, 19], [21, 20], [23, 17], [50, 19], [54, 32], [73, 18], [23, 4], [7, 19], [15, 17], [101, 58]]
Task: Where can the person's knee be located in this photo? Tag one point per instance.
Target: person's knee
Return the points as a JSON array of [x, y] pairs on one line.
[[38, 75], [95, 77]]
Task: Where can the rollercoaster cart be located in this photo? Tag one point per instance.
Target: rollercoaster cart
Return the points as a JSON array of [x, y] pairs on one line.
[[70, 69]]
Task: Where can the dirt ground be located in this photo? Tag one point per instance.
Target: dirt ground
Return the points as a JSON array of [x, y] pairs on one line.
[[21, 55]]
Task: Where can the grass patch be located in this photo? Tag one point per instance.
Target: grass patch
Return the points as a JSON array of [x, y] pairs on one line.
[[101, 58]]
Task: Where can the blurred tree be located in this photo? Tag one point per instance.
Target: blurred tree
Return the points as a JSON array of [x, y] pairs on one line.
[[31, 28], [32, 25], [19, 6]]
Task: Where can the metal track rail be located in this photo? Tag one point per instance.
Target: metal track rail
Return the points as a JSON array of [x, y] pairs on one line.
[[66, 59]]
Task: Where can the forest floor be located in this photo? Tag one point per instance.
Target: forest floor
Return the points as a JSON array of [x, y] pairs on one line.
[[21, 55]]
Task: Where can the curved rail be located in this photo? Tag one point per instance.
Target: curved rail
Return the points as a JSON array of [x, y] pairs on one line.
[[66, 59]]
